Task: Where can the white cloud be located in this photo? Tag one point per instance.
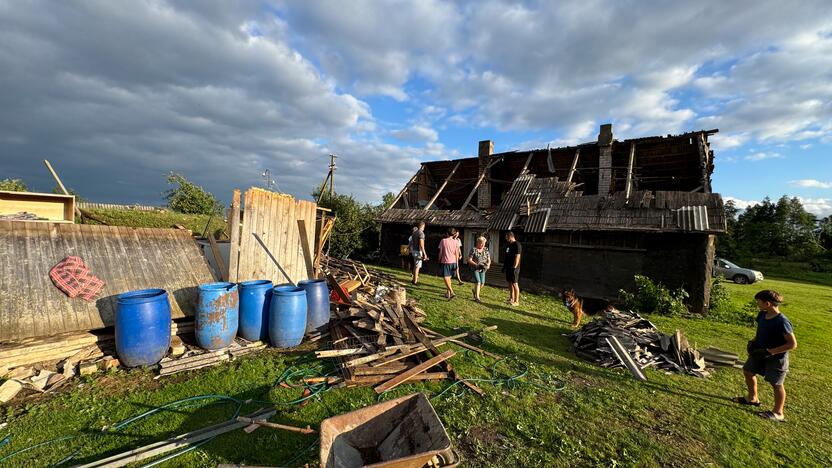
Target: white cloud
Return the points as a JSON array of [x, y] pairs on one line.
[[822, 207], [761, 156], [416, 133], [739, 203], [811, 183]]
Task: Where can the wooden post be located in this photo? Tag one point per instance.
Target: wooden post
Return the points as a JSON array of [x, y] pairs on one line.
[[629, 186], [405, 187], [307, 252], [442, 187], [234, 235], [61, 185], [574, 166]]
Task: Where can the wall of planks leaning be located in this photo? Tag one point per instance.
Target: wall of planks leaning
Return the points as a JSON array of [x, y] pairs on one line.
[[125, 258], [274, 218]]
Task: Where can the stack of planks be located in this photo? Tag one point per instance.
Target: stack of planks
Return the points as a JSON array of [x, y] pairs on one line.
[[625, 339], [377, 339]]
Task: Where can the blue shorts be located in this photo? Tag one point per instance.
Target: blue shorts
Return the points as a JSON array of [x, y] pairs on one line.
[[479, 276], [773, 369], [417, 259], [448, 270]]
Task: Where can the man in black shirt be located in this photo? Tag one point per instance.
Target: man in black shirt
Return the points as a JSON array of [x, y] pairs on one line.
[[511, 266]]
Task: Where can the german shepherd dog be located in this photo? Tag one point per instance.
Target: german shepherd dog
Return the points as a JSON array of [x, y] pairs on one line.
[[579, 306]]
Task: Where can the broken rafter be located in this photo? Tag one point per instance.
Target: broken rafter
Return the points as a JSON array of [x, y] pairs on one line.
[[479, 181], [442, 187], [574, 166], [629, 186], [406, 186]]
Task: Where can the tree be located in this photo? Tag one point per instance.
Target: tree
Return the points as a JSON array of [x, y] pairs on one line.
[[355, 232], [824, 232], [13, 185], [190, 198], [781, 229], [727, 244]]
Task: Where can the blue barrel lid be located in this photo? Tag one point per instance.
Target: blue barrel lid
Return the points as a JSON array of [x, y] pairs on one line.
[[142, 295], [289, 290], [222, 285], [311, 281], [256, 283]]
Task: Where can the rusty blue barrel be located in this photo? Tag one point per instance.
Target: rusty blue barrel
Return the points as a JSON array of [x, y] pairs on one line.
[[287, 316], [255, 299], [317, 304], [217, 315], [142, 326]]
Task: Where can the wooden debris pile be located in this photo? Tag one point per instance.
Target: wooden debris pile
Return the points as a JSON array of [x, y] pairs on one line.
[[185, 358], [641, 340], [376, 336]]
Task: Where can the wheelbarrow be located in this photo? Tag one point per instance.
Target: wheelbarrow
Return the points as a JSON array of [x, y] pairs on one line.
[[400, 433]]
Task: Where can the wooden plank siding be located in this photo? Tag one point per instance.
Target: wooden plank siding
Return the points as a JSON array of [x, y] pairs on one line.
[[274, 218], [125, 258]]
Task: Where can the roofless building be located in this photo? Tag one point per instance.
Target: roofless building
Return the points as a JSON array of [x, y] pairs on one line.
[[590, 217]]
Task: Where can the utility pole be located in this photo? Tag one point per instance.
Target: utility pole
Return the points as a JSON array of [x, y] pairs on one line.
[[331, 175], [329, 179]]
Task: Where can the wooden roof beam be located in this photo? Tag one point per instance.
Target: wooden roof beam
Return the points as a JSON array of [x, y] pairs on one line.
[[629, 186], [407, 185], [479, 181], [574, 166], [442, 187]]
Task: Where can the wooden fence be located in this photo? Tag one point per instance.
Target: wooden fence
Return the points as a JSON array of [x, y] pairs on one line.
[[274, 217]]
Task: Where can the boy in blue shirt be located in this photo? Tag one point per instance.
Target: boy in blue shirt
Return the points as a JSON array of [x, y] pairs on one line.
[[768, 353]]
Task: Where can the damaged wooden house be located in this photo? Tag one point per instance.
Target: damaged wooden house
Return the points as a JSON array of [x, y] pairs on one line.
[[590, 216]]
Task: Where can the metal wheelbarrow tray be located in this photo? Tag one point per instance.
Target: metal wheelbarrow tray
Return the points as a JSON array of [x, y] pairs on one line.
[[400, 433]]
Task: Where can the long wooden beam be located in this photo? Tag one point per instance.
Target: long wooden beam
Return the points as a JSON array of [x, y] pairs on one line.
[[574, 166], [479, 181], [629, 187], [407, 185], [442, 187], [528, 160]]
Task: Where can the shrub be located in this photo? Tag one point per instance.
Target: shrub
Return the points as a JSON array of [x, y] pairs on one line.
[[650, 297], [723, 309], [13, 185], [190, 198]]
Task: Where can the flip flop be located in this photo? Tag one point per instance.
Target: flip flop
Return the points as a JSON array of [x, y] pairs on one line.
[[771, 416], [741, 400]]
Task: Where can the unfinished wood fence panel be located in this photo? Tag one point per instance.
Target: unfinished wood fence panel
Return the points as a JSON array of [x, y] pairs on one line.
[[125, 258], [274, 218]]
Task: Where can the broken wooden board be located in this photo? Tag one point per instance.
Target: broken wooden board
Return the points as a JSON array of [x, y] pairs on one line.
[[407, 375]]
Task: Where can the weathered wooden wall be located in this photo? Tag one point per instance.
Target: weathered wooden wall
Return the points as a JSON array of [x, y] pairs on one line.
[[274, 218], [125, 258]]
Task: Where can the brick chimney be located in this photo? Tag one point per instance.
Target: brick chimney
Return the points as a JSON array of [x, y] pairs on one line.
[[605, 160], [486, 148]]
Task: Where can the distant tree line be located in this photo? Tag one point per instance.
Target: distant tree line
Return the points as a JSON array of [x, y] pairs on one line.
[[781, 229], [355, 233]]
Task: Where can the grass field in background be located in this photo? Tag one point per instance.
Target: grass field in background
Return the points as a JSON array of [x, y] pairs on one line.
[[562, 412]]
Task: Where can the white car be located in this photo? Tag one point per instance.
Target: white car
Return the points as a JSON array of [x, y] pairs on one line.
[[736, 273]]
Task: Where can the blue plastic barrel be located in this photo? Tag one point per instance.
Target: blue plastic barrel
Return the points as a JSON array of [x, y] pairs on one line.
[[317, 304], [217, 315], [255, 299], [142, 327], [287, 316]]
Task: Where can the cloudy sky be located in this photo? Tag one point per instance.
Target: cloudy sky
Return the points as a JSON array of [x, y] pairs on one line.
[[118, 93]]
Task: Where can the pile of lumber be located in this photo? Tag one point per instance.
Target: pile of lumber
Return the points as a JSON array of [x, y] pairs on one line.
[[376, 336], [185, 358], [625, 339]]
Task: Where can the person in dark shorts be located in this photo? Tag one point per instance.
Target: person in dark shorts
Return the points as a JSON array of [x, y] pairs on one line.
[[449, 259], [768, 354], [511, 267], [417, 250]]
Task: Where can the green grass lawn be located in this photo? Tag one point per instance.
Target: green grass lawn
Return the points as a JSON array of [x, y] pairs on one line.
[[562, 412]]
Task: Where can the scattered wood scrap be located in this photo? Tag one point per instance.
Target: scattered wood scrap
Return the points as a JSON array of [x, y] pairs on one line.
[[640, 340], [376, 336]]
